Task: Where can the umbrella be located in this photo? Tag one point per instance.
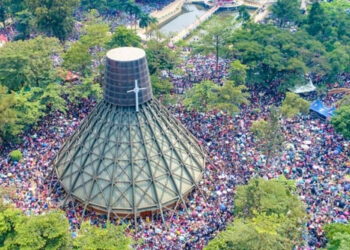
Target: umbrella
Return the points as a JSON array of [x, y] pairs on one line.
[[222, 207], [341, 221]]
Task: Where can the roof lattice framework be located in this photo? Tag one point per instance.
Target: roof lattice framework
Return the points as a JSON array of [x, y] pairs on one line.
[[129, 162]]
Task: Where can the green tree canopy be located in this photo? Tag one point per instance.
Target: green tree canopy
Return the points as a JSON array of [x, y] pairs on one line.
[[32, 67], [25, 24], [146, 20], [88, 88], [214, 39], [317, 19], [55, 17], [160, 86], [77, 58], [238, 72], [200, 96], [341, 121], [229, 97], [110, 237], [268, 216], [293, 104], [159, 56], [243, 13], [207, 95], [48, 231], [338, 236], [261, 232], [7, 112], [9, 220], [124, 37], [269, 135], [286, 10]]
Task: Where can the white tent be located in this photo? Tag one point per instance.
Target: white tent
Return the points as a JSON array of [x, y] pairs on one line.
[[309, 87]]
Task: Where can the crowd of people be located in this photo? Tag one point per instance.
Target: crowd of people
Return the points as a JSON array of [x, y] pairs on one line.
[[113, 18], [196, 69], [315, 158]]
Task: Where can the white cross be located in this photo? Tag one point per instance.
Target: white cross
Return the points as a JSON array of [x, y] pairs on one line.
[[136, 90]]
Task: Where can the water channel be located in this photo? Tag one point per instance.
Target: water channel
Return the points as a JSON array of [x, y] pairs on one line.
[[190, 13]]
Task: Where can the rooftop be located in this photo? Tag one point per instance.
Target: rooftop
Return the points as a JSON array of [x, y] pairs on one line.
[[126, 54]]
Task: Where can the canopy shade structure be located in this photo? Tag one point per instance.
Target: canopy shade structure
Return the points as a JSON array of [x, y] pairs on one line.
[[130, 159], [321, 109], [300, 89]]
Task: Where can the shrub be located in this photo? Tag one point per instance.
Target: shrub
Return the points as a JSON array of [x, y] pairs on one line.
[[16, 155]]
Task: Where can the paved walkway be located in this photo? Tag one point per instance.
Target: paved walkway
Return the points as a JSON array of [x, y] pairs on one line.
[[162, 16], [168, 12]]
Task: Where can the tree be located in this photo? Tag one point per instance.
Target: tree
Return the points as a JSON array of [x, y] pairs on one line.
[[110, 237], [243, 13], [32, 104], [207, 95], [159, 56], [214, 39], [77, 58], [9, 220], [124, 37], [277, 59], [24, 24], [269, 135], [275, 196], [100, 5], [229, 97], [238, 72], [28, 108], [269, 215], [341, 121], [338, 236], [338, 59], [345, 100], [16, 155], [14, 6], [4, 11], [317, 19], [293, 104], [95, 32], [146, 20], [88, 88], [48, 231], [200, 96], [7, 112], [286, 10], [55, 17], [261, 232], [32, 67], [80, 56], [160, 86], [51, 97]]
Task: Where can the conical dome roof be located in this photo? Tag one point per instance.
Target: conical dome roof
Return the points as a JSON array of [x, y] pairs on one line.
[[128, 160]]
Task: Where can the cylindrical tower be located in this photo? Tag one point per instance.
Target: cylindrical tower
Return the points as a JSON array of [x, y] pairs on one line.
[[124, 66]]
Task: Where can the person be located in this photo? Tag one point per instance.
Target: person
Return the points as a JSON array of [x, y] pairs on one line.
[[234, 157]]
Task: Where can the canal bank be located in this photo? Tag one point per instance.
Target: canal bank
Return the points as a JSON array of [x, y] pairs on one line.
[[189, 29], [189, 14], [169, 12]]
